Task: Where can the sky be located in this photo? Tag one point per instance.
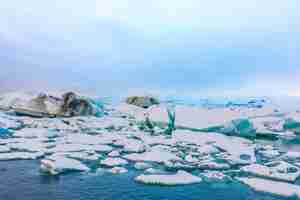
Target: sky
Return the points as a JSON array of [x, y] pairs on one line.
[[191, 47]]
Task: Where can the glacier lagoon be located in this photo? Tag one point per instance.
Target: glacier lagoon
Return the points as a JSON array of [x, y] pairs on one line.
[[108, 149]]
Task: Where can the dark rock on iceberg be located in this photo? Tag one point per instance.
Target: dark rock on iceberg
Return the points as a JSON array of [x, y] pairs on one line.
[[143, 102]]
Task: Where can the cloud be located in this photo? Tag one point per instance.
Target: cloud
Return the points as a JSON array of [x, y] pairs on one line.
[[272, 15]]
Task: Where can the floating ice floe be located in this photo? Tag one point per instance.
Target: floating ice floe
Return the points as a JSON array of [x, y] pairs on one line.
[[8, 123], [293, 156], [152, 156], [215, 176], [180, 178], [278, 170], [84, 156], [29, 146], [114, 154], [212, 165], [154, 171], [79, 147], [272, 187], [20, 156], [239, 150], [62, 164], [118, 170], [35, 133], [131, 145], [111, 162], [142, 165], [4, 149]]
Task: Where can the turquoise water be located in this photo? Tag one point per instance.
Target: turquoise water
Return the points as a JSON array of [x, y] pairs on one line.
[[21, 180]]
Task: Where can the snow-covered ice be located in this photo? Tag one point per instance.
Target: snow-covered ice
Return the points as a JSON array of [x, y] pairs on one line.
[[180, 178], [272, 187]]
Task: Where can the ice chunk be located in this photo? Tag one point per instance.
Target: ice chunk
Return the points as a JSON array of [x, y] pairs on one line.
[[131, 145], [215, 176], [35, 133], [278, 170], [152, 156], [4, 149], [61, 165], [239, 127], [292, 156], [118, 170], [212, 165], [7, 123], [239, 150], [80, 147], [142, 165], [114, 154], [29, 146], [180, 178], [272, 187], [111, 162], [20, 156]]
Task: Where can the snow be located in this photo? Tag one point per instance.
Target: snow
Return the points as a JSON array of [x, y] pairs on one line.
[[180, 178], [272, 187]]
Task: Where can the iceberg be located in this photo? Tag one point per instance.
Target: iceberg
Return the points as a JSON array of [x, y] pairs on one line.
[[35, 133], [118, 170], [272, 187], [62, 164], [112, 162], [142, 165], [20, 156], [278, 170], [152, 156], [239, 151], [4, 149], [180, 178]]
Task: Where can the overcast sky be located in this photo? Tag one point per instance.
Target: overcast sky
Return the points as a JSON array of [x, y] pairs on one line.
[[195, 47]]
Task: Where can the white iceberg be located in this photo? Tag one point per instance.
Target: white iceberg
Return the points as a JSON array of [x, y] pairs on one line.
[[4, 149], [142, 165], [131, 145], [112, 162], [239, 150], [272, 187], [152, 156], [180, 178], [118, 170], [35, 133], [114, 154], [20, 156], [278, 170], [62, 164]]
